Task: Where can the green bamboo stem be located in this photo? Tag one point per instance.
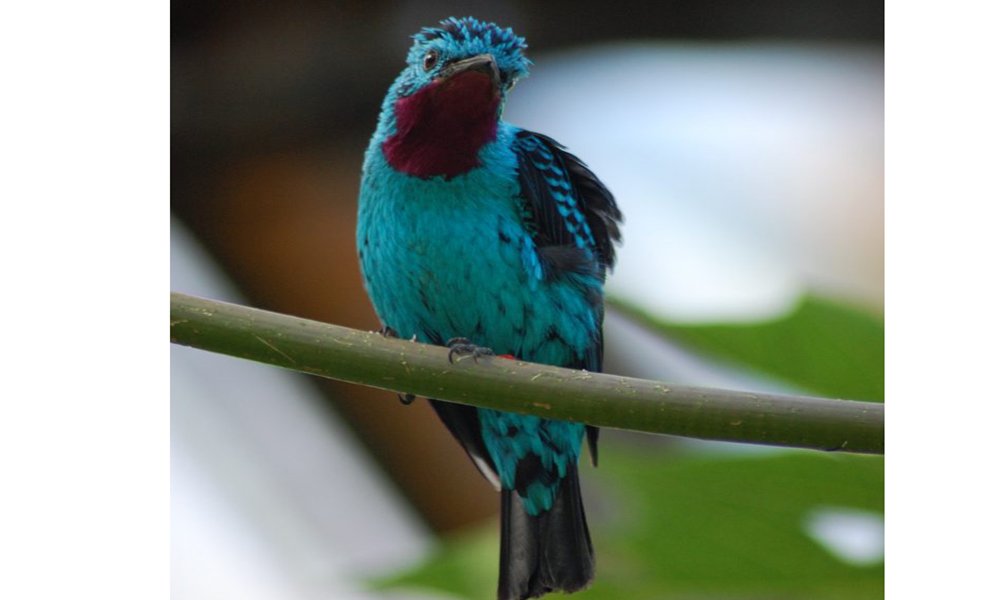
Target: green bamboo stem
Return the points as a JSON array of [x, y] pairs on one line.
[[367, 358]]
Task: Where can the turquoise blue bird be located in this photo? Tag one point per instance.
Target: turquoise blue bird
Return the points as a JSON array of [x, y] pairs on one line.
[[485, 237]]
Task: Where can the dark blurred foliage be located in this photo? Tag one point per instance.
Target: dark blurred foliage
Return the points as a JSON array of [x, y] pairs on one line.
[[271, 108], [285, 74]]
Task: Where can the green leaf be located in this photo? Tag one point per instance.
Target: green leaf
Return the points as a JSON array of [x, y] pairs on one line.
[[821, 345], [697, 527]]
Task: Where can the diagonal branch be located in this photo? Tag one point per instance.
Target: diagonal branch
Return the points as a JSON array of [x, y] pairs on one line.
[[367, 358]]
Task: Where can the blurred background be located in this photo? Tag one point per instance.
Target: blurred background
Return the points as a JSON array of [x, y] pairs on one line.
[[744, 143]]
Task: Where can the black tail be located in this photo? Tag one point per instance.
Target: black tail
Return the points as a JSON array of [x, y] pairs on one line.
[[545, 553]]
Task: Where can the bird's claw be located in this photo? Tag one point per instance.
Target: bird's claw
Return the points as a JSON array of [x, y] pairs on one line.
[[407, 399], [462, 346]]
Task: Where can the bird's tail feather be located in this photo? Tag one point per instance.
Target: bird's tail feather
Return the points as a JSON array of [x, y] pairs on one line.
[[548, 552]]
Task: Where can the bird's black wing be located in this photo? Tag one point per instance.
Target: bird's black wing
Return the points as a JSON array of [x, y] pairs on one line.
[[570, 212], [463, 423], [573, 219]]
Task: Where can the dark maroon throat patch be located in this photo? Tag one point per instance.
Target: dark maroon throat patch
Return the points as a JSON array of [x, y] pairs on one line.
[[441, 128]]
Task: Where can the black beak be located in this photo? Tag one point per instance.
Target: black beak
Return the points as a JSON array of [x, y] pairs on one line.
[[483, 63]]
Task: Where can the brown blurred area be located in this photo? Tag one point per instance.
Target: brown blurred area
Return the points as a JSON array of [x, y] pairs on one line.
[[272, 106]]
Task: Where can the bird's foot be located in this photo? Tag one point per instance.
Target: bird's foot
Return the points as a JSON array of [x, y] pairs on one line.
[[462, 346], [407, 399]]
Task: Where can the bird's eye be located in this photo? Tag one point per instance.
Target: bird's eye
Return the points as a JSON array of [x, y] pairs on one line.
[[430, 59]]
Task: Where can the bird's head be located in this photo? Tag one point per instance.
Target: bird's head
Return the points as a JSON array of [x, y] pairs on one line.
[[446, 103], [466, 45]]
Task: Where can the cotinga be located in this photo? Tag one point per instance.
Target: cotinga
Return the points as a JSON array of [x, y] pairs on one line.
[[482, 236]]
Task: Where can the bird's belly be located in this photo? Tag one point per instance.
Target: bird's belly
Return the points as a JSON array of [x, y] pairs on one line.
[[442, 277], [441, 282]]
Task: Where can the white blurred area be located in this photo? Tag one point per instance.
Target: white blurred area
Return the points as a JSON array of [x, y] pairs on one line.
[[748, 174], [856, 537], [271, 499]]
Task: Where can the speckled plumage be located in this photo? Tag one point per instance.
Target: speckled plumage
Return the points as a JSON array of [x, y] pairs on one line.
[[504, 242]]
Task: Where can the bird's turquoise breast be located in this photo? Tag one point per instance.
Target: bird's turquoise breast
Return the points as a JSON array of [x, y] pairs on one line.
[[451, 258]]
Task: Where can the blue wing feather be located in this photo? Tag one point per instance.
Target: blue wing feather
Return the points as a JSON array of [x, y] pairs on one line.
[[567, 207], [573, 220]]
